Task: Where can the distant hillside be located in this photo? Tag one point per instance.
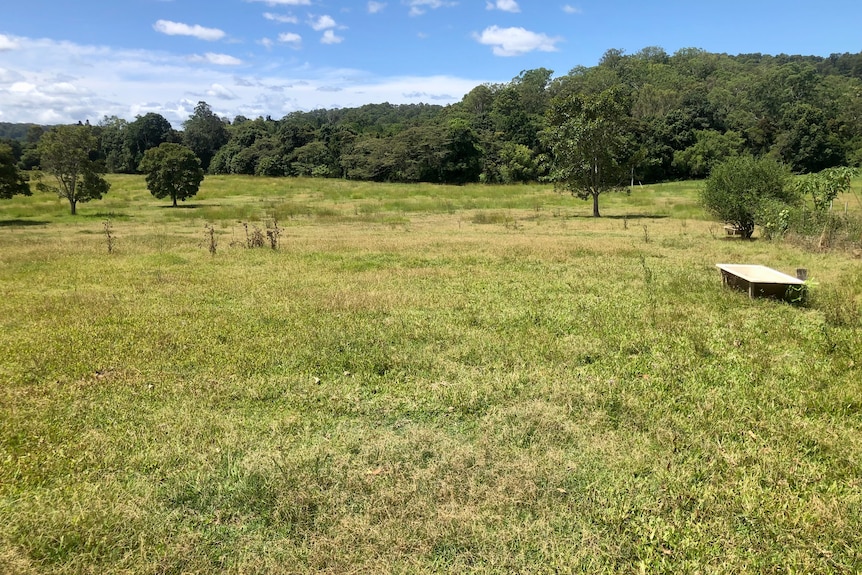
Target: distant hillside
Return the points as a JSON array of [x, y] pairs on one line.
[[9, 131]]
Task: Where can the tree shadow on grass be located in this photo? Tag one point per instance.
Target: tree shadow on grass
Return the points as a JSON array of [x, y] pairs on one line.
[[182, 206], [108, 216], [622, 217], [21, 223]]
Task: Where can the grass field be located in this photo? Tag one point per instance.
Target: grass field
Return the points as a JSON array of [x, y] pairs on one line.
[[420, 379]]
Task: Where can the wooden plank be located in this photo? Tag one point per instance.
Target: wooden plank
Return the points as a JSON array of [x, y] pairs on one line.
[[759, 274], [761, 281]]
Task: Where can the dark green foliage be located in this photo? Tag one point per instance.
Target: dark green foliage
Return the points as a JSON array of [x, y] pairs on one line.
[[741, 189], [204, 132], [710, 148], [591, 144], [806, 141], [113, 133], [145, 132], [66, 153], [12, 182], [172, 171], [18, 132]]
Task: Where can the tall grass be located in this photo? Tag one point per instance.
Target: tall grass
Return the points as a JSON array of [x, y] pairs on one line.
[[411, 383]]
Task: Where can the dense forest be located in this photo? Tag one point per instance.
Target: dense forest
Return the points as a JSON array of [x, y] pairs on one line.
[[685, 112]]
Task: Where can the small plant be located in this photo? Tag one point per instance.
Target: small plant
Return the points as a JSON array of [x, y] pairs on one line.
[[646, 235], [211, 239], [273, 232], [776, 220], [109, 235], [254, 238]]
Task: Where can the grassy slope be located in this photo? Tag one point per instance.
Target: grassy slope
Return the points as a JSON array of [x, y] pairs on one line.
[[421, 379]]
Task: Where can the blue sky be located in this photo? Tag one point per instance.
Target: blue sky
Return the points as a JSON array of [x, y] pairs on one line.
[[63, 61]]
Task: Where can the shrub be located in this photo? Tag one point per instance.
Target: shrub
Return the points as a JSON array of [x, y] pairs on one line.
[[739, 190]]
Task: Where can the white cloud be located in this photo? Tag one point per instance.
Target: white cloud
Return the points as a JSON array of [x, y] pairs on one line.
[[180, 29], [504, 5], [219, 91], [7, 43], [375, 7], [51, 82], [217, 59], [419, 7], [329, 37], [323, 23], [8, 76], [283, 2], [61, 89], [516, 41], [568, 9], [281, 18], [22, 88], [294, 40]]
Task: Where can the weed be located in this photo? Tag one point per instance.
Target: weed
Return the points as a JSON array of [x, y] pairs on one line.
[[212, 243], [109, 235], [272, 233], [253, 238]]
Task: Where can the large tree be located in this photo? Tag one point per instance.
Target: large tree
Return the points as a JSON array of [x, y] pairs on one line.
[[204, 132], [590, 138], [12, 182], [145, 132], [172, 171], [66, 153]]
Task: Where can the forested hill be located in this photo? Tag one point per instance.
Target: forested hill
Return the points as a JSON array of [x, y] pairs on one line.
[[687, 111], [17, 132]]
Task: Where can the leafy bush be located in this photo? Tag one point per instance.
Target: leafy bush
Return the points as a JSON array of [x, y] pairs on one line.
[[740, 189]]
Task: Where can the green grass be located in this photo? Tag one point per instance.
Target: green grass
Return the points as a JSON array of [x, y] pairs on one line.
[[421, 379]]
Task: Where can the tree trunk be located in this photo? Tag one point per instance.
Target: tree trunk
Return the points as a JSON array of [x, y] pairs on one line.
[[73, 204], [596, 213], [174, 198]]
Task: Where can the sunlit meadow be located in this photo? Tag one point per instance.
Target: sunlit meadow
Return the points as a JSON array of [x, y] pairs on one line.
[[419, 379]]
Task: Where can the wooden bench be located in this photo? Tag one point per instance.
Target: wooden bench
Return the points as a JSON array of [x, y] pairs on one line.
[[761, 281]]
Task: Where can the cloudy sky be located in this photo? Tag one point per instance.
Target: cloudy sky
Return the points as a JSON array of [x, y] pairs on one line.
[[64, 61]]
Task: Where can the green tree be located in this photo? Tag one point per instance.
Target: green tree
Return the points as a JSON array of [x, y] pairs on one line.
[[12, 182], [738, 190], [66, 153], [590, 142], [806, 141], [824, 186], [518, 164], [112, 133], [172, 171], [710, 148], [204, 132], [145, 132]]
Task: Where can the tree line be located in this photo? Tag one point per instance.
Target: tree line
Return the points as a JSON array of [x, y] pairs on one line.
[[677, 116]]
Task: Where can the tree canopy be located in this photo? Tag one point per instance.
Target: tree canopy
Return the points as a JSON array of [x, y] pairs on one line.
[[12, 181], [591, 144], [204, 132], [172, 171]]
